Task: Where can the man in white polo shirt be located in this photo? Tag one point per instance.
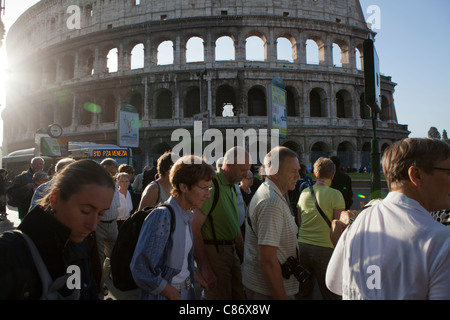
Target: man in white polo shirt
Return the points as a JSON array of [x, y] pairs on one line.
[[395, 249], [271, 232]]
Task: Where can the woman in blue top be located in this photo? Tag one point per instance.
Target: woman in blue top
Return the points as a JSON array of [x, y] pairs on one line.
[[163, 262]]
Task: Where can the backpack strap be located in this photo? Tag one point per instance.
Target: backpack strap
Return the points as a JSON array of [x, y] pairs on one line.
[[213, 206], [319, 208], [49, 287], [172, 217]]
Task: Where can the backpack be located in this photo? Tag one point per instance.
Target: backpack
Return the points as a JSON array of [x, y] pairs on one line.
[[125, 245], [13, 194]]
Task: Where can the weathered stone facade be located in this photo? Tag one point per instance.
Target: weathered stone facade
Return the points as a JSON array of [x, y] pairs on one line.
[[58, 71]]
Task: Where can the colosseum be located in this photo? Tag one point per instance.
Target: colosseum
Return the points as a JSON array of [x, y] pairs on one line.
[[174, 59]]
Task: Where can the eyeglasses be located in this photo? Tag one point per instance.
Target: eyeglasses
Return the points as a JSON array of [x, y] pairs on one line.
[[444, 169], [204, 189]]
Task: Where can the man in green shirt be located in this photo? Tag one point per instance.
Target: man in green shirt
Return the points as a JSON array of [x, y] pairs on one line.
[[217, 237]]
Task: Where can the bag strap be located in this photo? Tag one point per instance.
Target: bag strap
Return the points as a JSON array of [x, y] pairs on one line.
[[210, 218], [48, 285], [319, 208]]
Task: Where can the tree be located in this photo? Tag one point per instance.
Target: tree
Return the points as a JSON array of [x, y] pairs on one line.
[[444, 135], [434, 133]]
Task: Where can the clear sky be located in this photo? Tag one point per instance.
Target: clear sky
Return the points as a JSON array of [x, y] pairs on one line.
[[413, 46]]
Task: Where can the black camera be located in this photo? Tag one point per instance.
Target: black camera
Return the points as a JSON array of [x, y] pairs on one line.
[[292, 267]]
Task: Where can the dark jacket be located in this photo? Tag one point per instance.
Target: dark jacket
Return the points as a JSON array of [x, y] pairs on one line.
[[18, 276], [343, 183], [21, 193]]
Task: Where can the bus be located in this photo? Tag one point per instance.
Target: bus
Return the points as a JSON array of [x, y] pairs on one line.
[[18, 161]]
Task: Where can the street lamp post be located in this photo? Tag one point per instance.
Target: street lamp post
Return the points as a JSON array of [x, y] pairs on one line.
[[372, 99]]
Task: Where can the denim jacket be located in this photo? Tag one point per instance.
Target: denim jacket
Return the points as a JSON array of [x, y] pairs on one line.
[[158, 257]]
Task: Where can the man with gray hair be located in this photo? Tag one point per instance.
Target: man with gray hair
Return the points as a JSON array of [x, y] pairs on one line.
[[395, 250], [42, 190], [271, 232], [218, 242]]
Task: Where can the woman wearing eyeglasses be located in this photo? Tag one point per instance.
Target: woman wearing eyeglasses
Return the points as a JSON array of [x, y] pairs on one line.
[[163, 261]]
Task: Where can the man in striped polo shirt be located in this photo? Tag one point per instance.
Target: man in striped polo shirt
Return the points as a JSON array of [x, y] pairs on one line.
[[271, 231]]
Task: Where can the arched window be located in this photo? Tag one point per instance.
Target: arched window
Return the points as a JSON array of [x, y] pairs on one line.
[[385, 109], [108, 113], [163, 105], [255, 49], [51, 72], [359, 58], [68, 67], [345, 154], [112, 61], [225, 50], [138, 103], [291, 103], [364, 110], [340, 54], [319, 149], [337, 59], [285, 49], [257, 102], [312, 52], [192, 102], [343, 104], [195, 50], [317, 103], [225, 101], [137, 57], [165, 53]]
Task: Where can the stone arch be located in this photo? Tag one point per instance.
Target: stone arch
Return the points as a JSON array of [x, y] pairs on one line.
[[225, 95], [385, 109], [340, 54], [109, 105], [137, 55], [67, 67], [137, 101], [318, 149], [165, 52], [258, 44], [292, 101], [365, 154], [318, 103], [364, 110], [86, 108], [294, 146], [86, 63], [224, 48], [345, 154], [286, 48], [344, 104], [163, 103], [191, 101], [195, 50], [257, 101], [315, 50]]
